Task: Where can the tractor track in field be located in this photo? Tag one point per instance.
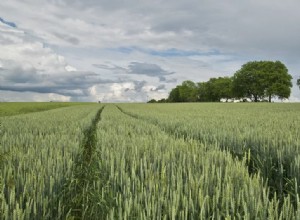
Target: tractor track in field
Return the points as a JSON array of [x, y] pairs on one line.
[[84, 173], [90, 138], [162, 128], [185, 136], [252, 163]]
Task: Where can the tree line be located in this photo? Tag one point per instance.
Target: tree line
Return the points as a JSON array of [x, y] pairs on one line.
[[256, 80]]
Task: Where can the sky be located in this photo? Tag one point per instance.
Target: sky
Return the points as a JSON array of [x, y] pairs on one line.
[[137, 50]]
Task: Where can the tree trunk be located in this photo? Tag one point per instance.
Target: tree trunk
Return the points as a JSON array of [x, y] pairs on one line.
[[270, 97], [255, 98]]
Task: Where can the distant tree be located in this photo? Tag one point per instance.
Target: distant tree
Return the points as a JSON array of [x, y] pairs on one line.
[[215, 89], [186, 92], [223, 87], [246, 82], [277, 80], [259, 79], [210, 91], [174, 95], [203, 92], [158, 101], [298, 82], [152, 101], [162, 101]]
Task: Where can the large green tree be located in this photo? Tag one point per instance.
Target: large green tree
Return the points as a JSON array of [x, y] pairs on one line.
[[186, 92], [174, 95], [262, 79], [223, 88], [215, 89], [204, 92]]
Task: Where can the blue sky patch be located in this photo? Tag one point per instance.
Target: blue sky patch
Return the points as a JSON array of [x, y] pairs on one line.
[[172, 52], [11, 24]]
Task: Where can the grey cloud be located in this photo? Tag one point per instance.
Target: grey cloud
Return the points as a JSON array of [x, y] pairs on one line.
[[78, 78], [112, 67], [229, 26], [11, 24], [104, 4], [66, 37], [164, 79], [138, 85], [142, 91], [147, 69], [44, 89], [160, 87], [5, 41], [74, 83], [14, 73], [103, 66], [250, 30], [19, 75], [137, 93], [62, 89]]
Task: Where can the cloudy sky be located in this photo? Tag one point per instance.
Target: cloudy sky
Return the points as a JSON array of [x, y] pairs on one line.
[[135, 50]]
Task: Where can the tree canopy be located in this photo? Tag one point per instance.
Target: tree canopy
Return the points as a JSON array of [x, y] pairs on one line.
[[186, 92], [215, 89], [262, 79], [256, 80], [210, 91]]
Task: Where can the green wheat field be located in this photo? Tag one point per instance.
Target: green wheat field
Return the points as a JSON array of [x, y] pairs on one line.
[[149, 161]]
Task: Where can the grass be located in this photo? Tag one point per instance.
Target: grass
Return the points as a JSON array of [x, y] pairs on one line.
[[16, 108], [269, 133], [158, 161], [38, 151], [83, 173]]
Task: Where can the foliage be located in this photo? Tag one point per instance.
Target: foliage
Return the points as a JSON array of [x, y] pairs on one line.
[[247, 82], [256, 80], [174, 95], [210, 91], [186, 92], [260, 79], [152, 101], [158, 101], [215, 89], [162, 101]]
